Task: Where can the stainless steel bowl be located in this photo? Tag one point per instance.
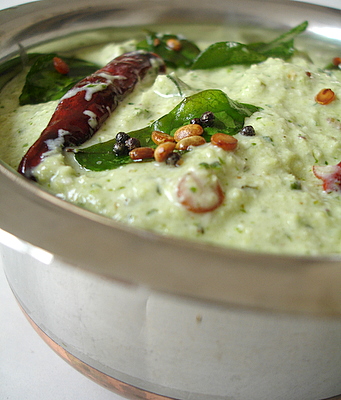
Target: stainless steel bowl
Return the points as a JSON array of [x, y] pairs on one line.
[[150, 316]]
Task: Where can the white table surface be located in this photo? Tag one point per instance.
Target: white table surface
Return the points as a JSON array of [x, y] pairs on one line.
[[29, 369]]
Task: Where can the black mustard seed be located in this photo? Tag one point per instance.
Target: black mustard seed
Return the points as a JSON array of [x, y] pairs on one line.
[[207, 119], [196, 121], [173, 159], [121, 137], [132, 143], [120, 149], [248, 131]]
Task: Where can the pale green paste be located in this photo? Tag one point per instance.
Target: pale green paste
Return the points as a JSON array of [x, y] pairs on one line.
[[273, 201]]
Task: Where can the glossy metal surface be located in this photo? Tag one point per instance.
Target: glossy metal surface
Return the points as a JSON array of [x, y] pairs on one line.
[[166, 316], [143, 342], [300, 284]]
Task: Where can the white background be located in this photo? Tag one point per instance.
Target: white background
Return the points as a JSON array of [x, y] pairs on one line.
[[29, 369]]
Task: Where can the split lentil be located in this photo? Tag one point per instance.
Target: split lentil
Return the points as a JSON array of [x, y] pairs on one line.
[[325, 96], [161, 137], [163, 150], [187, 142], [226, 142], [61, 66], [337, 61], [188, 130], [141, 153], [174, 44]]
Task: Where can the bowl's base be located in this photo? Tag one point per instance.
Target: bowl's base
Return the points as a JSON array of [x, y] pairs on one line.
[[110, 383]]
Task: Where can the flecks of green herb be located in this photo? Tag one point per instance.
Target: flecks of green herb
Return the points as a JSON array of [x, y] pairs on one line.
[[200, 230], [268, 139], [249, 187], [296, 185], [152, 211], [213, 165]]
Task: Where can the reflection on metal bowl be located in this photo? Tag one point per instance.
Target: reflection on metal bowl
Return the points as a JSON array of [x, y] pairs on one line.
[[191, 321]]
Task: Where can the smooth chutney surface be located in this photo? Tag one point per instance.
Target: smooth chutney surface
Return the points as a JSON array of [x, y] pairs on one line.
[[273, 201]]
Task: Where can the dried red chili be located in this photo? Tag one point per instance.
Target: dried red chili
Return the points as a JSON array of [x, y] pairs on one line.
[[83, 110], [156, 42]]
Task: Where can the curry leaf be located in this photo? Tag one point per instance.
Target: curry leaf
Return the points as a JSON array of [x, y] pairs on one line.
[[282, 46], [332, 66], [229, 119], [174, 57], [100, 157], [229, 114], [222, 54], [44, 83], [229, 53], [12, 67]]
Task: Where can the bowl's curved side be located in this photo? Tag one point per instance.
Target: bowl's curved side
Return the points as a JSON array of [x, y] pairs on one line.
[[83, 239], [80, 238], [150, 345]]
